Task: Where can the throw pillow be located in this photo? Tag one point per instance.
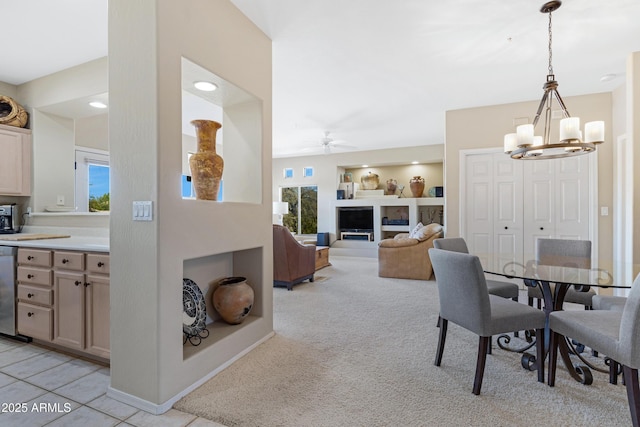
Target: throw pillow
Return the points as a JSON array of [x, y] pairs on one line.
[[428, 231], [415, 230]]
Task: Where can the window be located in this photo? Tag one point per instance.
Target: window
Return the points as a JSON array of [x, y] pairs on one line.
[[189, 193], [303, 209], [307, 172], [92, 180], [288, 172]]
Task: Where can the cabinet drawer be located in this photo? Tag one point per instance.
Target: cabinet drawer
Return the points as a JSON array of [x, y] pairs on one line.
[[98, 263], [69, 260], [38, 276], [35, 321], [35, 295], [35, 257]]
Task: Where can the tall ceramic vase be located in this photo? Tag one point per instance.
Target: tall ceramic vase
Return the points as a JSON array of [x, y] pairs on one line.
[[206, 166], [233, 299], [417, 186]]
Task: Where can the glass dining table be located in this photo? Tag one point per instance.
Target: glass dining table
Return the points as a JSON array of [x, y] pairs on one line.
[[554, 282]]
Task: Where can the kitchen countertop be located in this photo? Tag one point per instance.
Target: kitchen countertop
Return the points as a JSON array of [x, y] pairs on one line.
[[73, 243]]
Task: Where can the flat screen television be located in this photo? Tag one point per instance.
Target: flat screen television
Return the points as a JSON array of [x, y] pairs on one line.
[[355, 219]]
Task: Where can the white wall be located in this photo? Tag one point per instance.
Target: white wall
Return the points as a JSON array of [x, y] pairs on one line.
[[92, 132]]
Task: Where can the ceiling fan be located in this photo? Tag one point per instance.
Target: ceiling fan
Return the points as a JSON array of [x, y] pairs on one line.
[[327, 144]]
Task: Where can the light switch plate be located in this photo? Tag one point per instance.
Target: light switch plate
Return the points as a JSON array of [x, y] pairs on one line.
[[143, 211]]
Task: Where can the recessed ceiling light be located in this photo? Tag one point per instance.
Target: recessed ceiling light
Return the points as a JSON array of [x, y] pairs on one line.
[[365, 166], [608, 77], [205, 86], [98, 104], [415, 162]]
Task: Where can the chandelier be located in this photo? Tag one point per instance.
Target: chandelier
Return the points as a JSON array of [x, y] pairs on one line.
[[525, 145]]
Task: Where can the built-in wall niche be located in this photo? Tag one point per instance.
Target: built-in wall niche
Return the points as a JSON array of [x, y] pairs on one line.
[[206, 271], [238, 142], [402, 174]]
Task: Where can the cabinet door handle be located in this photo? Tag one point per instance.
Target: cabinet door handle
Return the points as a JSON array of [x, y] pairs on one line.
[[29, 314], [541, 228], [30, 276], [64, 260], [77, 282], [506, 228], [29, 295], [86, 284], [30, 257], [100, 264]]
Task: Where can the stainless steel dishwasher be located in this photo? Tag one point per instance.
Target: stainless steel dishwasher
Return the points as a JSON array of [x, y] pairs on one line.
[[8, 290]]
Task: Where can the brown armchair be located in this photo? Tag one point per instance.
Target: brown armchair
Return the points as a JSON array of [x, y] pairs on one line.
[[405, 257], [292, 262]]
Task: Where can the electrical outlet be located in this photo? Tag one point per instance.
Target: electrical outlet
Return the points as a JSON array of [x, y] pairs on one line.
[[60, 201], [29, 211]]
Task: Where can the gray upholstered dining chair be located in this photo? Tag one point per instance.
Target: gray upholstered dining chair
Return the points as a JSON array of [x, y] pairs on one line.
[[465, 301], [614, 333], [495, 287], [607, 302], [564, 252]]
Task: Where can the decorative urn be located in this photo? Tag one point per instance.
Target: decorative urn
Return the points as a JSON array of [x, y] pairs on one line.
[[370, 181], [416, 184], [233, 299]]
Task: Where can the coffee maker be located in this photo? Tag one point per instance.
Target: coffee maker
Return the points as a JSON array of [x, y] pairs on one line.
[[8, 219]]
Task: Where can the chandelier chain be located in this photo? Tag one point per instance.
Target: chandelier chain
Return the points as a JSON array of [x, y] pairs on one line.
[[550, 50]]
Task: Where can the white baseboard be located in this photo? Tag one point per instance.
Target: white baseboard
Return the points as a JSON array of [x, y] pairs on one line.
[[157, 409]]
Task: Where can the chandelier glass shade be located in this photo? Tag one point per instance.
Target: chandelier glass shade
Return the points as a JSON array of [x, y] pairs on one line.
[[524, 144]]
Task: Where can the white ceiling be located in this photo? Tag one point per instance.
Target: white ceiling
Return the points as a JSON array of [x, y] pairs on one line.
[[375, 74]]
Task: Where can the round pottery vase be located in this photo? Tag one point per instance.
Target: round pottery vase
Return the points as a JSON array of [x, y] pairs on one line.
[[206, 166], [233, 299], [370, 181], [392, 185], [417, 186]]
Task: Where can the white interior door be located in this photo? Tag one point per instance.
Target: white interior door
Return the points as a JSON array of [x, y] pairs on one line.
[[478, 211], [508, 206], [539, 212], [572, 198]]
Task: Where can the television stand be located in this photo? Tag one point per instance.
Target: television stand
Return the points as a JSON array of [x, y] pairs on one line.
[[356, 235]]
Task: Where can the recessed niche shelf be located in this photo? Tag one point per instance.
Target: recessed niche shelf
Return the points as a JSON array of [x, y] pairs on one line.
[[218, 331], [206, 271], [238, 142]]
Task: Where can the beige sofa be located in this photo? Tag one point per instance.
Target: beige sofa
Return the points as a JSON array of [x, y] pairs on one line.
[[406, 256]]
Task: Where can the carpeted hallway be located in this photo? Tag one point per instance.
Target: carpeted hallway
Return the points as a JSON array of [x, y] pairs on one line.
[[353, 349]]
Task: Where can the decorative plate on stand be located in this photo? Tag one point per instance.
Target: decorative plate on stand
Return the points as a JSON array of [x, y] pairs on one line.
[[194, 312]]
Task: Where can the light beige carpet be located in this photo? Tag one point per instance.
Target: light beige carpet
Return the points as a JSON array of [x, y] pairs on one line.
[[358, 350]]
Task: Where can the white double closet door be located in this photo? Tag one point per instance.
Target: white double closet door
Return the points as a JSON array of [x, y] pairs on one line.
[[506, 204]]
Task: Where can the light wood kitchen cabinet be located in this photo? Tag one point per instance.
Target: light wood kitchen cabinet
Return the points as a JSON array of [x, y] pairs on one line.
[[63, 297], [97, 315], [81, 302], [69, 308], [15, 161], [35, 309]]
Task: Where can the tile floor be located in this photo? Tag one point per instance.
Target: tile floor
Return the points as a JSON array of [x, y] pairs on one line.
[[40, 387]]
